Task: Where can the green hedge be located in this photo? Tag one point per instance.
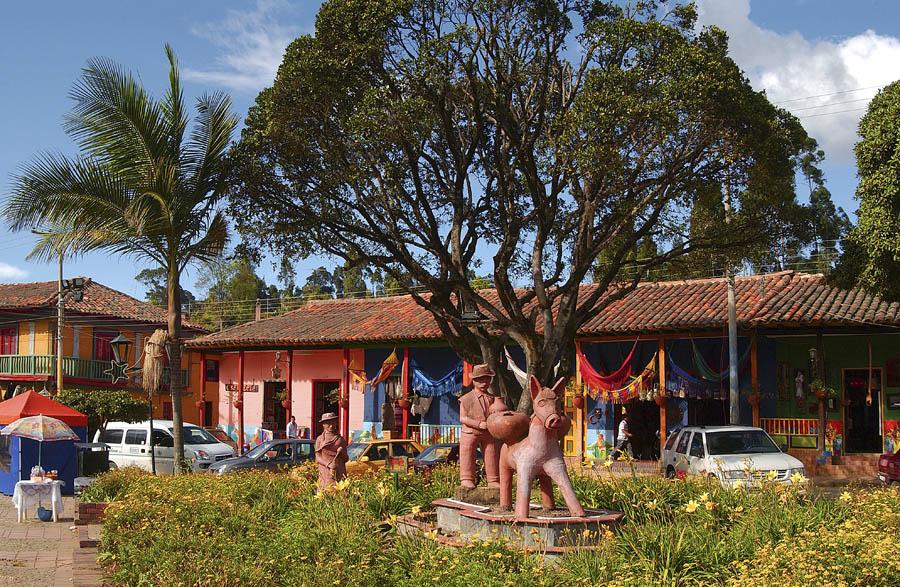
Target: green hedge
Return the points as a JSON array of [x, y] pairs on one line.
[[273, 529]]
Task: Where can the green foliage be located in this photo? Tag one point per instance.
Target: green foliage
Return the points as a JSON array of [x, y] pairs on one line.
[[274, 529], [102, 406], [425, 139], [155, 282], [872, 259]]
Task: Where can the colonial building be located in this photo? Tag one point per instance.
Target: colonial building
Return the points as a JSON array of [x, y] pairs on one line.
[[660, 353], [94, 315]]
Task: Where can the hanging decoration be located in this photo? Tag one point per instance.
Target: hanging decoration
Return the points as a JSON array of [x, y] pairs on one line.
[[424, 386], [421, 405], [357, 377], [637, 387], [519, 373], [708, 373], [680, 383], [387, 367], [597, 382]]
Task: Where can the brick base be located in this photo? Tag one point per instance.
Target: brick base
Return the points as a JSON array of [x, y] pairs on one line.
[[90, 513]]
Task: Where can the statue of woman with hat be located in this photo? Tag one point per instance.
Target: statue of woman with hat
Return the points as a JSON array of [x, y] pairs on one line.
[[331, 452]]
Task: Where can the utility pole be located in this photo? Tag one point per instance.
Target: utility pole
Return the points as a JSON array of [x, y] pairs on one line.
[[734, 414], [60, 305]]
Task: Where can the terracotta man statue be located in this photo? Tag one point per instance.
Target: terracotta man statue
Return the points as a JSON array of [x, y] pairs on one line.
[[331, 452], [474, 409]]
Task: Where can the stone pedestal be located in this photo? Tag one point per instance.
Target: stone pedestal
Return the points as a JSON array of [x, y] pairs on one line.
[[550, 534]]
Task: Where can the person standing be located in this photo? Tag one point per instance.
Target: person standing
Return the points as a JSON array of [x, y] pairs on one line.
[[331, 452], [623, 438], [292, 430], [474, 408]]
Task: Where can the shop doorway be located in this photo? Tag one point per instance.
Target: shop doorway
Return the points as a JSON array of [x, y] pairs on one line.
[[273, 412], [325, 399], [643, 422], [862, 414], [707, 412]]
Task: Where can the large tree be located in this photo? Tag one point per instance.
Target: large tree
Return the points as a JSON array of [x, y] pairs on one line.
[[425, 137], [141, 187], [871, 258]]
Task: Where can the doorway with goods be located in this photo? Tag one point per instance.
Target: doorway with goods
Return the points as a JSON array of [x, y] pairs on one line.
[[326, 393]]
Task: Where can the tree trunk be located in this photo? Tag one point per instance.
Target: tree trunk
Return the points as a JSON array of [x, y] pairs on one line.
[[174, 319]]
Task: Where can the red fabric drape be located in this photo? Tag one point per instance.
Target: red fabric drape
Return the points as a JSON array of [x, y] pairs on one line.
[[596, 381]]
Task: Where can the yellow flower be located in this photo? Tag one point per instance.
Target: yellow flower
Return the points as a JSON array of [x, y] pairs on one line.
[[383, 490], [704, 497], [415, 509], [845, 496], [608, 463], [652, 505], [710, 505], [771, 475], [798, 478], [691, 506]]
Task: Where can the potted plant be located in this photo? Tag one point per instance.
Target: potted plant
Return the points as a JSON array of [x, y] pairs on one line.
[[285, 404], [821, 390], [661, 399]]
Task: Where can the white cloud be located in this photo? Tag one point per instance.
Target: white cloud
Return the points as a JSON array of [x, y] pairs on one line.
[[9, 272], [790, 66], [252, 45]]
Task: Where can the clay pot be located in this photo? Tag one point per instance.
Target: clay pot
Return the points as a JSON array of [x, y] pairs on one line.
[[661, 400], [821, 394], [404, 403], [239, 404], [508, 426], [578, 402], [285, 404], [199, 403]]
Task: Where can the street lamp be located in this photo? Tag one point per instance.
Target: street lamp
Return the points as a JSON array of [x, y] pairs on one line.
[[120, 346], [76, 286], [468, 310]]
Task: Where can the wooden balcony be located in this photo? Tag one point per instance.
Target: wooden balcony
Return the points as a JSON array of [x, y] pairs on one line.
[[44, 366]]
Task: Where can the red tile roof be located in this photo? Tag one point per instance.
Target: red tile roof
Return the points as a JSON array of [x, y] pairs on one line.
[[99, 300], [786, 299]]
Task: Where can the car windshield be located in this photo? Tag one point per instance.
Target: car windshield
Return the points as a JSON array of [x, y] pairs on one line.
[[258, 450], [356, 449], [434, 453], [194, 435], [739, 442]]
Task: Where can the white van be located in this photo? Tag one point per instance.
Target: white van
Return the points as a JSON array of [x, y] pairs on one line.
[[129, 446]]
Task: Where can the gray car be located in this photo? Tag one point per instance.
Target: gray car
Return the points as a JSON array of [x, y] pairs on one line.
[[275, 454]]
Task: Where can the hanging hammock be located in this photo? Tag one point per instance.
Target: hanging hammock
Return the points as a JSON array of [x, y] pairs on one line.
[[390, 363], [706, 372], [594, 380], [637, 388], [424, 386], [680, 383], [520, 375]]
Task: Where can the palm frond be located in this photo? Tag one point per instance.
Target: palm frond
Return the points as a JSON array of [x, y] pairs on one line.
[[205, 151], [173, 106], [211, 245], [56, 190], [116, 121]]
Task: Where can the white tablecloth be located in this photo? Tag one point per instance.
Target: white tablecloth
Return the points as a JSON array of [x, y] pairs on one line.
[[28, 493]]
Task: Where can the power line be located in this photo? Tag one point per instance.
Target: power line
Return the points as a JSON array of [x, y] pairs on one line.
[[828, 94], [831, 104], [830, 113]]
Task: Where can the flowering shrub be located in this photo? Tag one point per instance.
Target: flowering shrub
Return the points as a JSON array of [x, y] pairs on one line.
[[274, 529]]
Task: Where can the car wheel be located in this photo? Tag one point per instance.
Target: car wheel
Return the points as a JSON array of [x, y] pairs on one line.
[[113, 466], [670, 472]]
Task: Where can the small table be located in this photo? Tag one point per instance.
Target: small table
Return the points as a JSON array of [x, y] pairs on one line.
[[28, 493]]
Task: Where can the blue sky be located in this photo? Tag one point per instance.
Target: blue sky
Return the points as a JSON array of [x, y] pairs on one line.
[[838, 51]]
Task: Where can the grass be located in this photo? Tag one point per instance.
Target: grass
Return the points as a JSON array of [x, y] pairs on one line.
[[274, 529]]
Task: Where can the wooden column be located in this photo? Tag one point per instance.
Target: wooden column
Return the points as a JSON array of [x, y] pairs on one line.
[[754, 378], [404, 383], [201, 408], [241, 402], [661, 358], [345, 392], [288, 389]]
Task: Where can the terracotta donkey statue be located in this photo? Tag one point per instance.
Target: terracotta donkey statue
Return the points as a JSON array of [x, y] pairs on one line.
[[539, 455]]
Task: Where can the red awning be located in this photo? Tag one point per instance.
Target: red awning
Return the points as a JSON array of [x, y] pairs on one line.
[[31, 403]]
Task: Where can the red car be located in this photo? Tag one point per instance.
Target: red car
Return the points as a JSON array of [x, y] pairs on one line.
[[889, 468]]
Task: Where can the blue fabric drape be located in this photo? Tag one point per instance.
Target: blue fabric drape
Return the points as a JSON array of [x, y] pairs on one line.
[[425, 386], [678, 379]]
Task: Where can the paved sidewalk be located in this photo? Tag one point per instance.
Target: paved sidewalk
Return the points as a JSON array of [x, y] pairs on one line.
[[44, 553]]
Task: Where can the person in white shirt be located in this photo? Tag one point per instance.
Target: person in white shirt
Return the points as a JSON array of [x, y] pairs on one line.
[[623, 438], [293, 431]]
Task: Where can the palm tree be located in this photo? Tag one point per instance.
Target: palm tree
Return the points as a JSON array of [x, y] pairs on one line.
[[140, 187]]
